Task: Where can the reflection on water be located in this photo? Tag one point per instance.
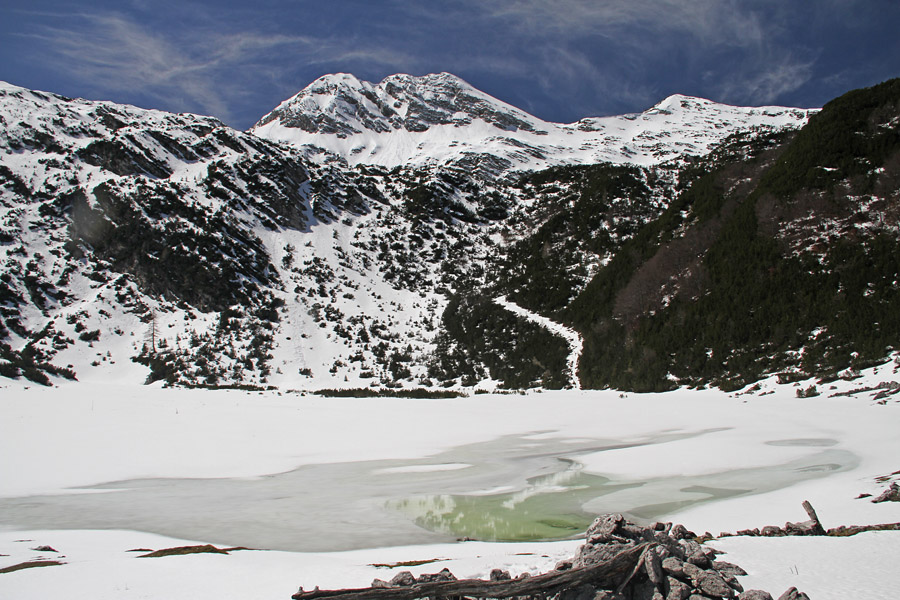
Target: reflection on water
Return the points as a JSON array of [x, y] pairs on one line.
[[549, 507], [521, 487], [563, 504]]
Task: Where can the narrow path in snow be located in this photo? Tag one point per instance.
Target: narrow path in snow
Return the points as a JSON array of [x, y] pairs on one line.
[[572, 337]]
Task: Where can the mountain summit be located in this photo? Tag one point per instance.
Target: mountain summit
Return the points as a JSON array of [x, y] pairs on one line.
[[343, 105], [440, 120]]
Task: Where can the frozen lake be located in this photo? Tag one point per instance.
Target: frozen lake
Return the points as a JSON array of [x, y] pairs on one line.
[[525, 487], [96, 470]]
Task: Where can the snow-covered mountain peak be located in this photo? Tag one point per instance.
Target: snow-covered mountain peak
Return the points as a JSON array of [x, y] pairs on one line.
[[341, 105], [439, 119], [680, 101]]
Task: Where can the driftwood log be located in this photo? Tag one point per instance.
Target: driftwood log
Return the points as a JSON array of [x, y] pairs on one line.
[[610, 574], [848, 530]]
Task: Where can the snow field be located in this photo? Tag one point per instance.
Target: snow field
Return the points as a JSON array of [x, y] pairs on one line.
[[57, 439]]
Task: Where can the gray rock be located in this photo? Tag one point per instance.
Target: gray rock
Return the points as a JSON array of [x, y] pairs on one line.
[[712, 584], [772, 531], [677, 590], [892, 494], [755, 595], [700, 559], [592, 554], [726, 567], [673, 566], [403, 579], [604, 528], [501, 575], [605, 539], [793, 594], [804, 528], [665, 552], [659, 526], [692, 572], [733, 582], [680, 532], [654, 569], [444, 575], [689, 547]]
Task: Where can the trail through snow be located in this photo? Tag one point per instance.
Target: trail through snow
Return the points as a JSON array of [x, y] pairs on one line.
[[572, 337]]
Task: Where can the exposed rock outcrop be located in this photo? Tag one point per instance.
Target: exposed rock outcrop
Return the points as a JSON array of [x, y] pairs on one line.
[[892, 494]]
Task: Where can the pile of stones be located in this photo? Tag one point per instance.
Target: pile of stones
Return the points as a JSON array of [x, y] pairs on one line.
[[674, 566]]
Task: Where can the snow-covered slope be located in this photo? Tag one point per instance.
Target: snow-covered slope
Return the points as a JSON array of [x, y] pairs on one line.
[[211, 255], [440, 119], [358, 258]]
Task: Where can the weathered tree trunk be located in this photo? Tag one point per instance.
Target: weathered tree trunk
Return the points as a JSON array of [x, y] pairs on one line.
[[811, 512], [811, 527], [609, 574]]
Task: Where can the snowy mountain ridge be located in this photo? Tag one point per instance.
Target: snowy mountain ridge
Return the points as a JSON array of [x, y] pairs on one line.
[[440, 120], [142, 245]]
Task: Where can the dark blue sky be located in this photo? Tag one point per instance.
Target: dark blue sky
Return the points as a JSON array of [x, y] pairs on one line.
[[558, 59]]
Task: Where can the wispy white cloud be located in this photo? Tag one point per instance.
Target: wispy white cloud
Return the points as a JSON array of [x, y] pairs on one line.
[[725, 22], [765, 84], [593, 82], [201, 69], [620, 50], [114, 53]]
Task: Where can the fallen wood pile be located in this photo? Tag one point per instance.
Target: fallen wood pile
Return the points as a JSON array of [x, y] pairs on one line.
[[610, 573], [619, 561], [811, 527]]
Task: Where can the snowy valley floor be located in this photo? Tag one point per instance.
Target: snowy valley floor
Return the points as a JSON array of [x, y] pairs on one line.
[[324, 487]]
